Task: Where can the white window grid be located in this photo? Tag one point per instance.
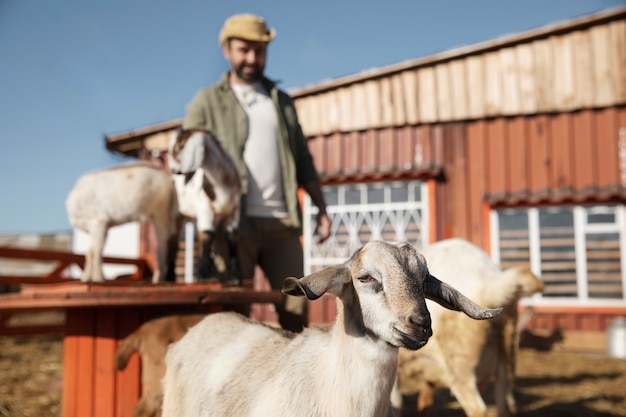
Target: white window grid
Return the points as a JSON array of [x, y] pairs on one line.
[[582, 229], [358, 220]]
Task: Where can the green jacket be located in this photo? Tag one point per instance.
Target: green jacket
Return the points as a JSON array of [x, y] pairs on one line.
[[217, 109]]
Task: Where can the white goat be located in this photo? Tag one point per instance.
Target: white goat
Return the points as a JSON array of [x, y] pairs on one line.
[[464, 354], [127, 193], [209, 191], [228, 365]]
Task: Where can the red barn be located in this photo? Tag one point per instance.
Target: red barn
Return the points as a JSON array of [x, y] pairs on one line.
[[517, 144]]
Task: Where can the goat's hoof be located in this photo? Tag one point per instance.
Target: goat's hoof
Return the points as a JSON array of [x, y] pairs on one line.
[[230, 282], [209, 280]]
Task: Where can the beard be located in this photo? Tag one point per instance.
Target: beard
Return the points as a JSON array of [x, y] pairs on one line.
[[252, 75]]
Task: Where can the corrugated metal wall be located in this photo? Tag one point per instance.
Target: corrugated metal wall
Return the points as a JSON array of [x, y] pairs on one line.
[[525, 160]]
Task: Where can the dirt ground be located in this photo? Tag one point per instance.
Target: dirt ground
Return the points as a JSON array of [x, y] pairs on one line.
[[31, 375], [550, 384]]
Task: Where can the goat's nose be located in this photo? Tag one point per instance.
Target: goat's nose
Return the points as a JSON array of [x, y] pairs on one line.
[[421, 320]]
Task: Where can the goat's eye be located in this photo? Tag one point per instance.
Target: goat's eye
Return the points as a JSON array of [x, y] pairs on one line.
[[366, 278]]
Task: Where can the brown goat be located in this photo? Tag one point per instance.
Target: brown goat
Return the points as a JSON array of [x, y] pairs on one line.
[[151, 340]]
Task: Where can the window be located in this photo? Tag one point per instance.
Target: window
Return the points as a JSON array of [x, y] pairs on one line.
[[577, 250], [362, 212]]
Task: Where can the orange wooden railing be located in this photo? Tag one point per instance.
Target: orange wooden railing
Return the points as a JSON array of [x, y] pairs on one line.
[[57, 275], [64, 259]]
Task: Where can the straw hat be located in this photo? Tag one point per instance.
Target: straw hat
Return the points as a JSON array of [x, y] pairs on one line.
[[248, 27]]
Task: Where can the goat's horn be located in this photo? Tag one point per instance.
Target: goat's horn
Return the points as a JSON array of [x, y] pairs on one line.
[[451, 298]]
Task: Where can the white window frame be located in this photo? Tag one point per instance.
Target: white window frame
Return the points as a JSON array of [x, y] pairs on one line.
[[310, 210], [581, 229]]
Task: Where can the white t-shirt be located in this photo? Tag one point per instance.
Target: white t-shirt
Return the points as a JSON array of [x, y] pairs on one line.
[[265, 196]]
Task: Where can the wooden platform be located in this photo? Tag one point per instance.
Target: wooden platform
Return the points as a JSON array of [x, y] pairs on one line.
[[67, 295], [99, 316], [95, 317]]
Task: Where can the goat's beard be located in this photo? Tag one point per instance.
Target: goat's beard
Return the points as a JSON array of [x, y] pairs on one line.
[[249, 77]]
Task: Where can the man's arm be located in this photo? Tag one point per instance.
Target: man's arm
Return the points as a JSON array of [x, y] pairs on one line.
[[322, 228]]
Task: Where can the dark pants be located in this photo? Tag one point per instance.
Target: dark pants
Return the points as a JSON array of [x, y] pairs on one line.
[[276, 248]]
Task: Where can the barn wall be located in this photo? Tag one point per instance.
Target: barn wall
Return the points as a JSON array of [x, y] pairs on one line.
[[528, 119], [524, 160]]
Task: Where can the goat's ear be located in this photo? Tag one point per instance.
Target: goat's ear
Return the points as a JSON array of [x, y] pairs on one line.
[[452, 299], [314, 285], [191, 156]]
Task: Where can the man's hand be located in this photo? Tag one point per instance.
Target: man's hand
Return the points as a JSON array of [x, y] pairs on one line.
[[322, 228]]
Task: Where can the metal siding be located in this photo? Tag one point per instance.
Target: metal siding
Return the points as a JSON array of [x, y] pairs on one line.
[[442, 206], [447, 211], [334, 152], [621, 120], [523, 160], [539, 150], [424, 145], [561, 151], [458, 175], [477, 166], [606, 132], [497, 167], [351, 158], [584, 161], [405, 148], [516, 156], [369, 147], [386, 150]]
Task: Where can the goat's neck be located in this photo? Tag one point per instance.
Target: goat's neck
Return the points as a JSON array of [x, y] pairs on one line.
[[349, 323], [499, 292], [219, 164], [359, 355]]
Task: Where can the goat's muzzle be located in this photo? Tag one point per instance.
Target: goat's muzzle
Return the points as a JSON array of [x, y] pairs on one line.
[[420, 332]]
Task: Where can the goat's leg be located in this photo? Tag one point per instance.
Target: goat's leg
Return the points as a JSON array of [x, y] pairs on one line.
[[86, 276], [425, 399], [93, 262], [233, 256], [172, 248], [172, 254], [167, 246], [505, 376], [161, 228], [206, 264], [466, 392]]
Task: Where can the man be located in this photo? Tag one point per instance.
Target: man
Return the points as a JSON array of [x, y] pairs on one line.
[[258, 126]]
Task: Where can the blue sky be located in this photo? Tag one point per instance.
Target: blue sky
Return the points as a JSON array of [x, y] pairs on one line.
[[72, 71]]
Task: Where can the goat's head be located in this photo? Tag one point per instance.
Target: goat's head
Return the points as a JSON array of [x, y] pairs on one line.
[[527, 282], [186, 150], [384, 286]]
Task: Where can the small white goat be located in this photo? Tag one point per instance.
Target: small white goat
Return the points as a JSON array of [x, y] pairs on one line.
[[114, 196], [464, 354], [228, 365], [209, 191]]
